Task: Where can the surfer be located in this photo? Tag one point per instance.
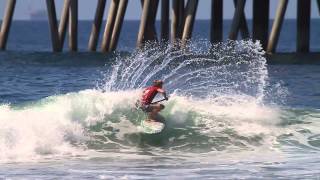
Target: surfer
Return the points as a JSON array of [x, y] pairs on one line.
[[148, 94]]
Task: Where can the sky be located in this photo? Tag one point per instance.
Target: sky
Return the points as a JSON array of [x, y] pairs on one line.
[[87, 9]]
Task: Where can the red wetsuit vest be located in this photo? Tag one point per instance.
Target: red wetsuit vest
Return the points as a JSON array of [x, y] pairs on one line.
[[148, 94]]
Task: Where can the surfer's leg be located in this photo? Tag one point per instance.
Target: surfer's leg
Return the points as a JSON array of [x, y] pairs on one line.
[[157, 107], [151, 116], [154, 112]]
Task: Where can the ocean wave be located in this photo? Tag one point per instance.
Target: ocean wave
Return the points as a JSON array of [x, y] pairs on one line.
[[220, 101]]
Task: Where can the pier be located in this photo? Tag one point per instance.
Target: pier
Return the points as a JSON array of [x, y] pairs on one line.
[[177, 19]]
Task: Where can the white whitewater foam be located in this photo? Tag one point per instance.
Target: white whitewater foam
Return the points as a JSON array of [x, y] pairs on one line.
[[56, 126]]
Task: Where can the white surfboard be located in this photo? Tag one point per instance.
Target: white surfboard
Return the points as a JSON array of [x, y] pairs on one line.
[[151, 127]]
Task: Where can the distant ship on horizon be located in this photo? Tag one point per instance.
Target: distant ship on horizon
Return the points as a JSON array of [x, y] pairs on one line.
[[38, 15]]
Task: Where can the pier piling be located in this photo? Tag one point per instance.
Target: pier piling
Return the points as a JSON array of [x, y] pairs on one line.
[[191, 10], [118, 24], [6, 23], [216, 32], [63, 23], [52, 18], [109, 25], [260, 23], [174, 20], [276, 27], [237, 19], [73, 26], [181, 18], [58, 35], [96, 26], [164, 20], [303, 25], [244, 29], [151, 34], [143, 22], [243, 24]]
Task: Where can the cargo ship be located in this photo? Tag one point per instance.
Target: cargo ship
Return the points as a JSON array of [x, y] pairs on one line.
[[38, 15]]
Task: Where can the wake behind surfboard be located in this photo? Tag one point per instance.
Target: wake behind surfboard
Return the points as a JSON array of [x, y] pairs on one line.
[[152, 127]]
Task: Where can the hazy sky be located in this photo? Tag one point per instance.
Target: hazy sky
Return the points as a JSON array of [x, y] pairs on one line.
[[87, 8]]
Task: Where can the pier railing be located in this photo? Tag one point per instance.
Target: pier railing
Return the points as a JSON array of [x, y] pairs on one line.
[[183, 15]]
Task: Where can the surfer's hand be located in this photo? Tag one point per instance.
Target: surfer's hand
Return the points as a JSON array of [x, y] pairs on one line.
[[166, 98]]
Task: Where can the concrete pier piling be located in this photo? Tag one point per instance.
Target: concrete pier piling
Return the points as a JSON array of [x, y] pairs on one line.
[[96, 25], [52, 18], [151, 33], [58, 35], [144, 20], [109, 25], [303, 25], [147, 30], [73, 26], [164, 20], [276, 27], [237, 19], [113, 25], [174, 20], [181, 18], [118, 24], [260, 24], [63, 23], [216, 32], [190, 15], [244, 29], [6, 23]]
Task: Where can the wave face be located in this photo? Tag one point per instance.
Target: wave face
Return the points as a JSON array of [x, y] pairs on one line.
[[220, 101]]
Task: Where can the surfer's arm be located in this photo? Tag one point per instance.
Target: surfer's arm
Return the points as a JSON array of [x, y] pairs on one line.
[[163, 92]]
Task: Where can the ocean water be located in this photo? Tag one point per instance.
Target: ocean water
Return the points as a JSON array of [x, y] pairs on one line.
[[230, 115]]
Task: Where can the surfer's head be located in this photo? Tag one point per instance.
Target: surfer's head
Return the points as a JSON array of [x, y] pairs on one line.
[[158, 83]]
